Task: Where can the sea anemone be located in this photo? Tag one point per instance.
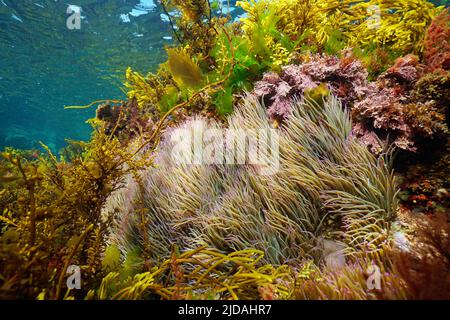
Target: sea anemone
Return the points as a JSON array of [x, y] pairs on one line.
[[327, 184]]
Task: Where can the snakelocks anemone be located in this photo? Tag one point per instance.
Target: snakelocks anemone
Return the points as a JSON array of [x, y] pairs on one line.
[[327, 186]]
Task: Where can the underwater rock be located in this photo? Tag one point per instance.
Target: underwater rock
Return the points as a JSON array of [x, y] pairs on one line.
[[400, 241], [19, 137]]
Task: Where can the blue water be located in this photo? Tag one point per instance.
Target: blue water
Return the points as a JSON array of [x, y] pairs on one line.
[[45, 66]]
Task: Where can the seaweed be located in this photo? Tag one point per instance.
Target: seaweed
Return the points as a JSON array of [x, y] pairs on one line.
[[425, 269], [52, 210], [437, 46], [345, 77], [200, 274]]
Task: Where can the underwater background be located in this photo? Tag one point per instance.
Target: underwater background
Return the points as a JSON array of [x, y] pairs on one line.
[[45, 66], [353, 201]]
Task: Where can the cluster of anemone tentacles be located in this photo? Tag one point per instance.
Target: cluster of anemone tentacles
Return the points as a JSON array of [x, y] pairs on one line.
[[328, 185]]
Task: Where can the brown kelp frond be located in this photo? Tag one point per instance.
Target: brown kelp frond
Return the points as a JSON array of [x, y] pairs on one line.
[[323, 175], [53, 212], [202, 273]]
